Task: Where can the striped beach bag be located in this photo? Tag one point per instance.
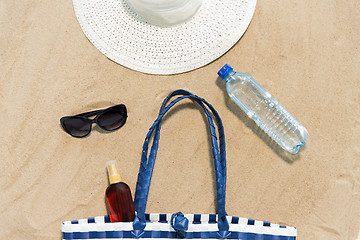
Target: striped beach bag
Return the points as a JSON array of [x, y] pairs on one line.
[[179, 225]]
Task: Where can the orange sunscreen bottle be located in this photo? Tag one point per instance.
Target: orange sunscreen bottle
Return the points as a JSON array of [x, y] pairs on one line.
[[118, 196]]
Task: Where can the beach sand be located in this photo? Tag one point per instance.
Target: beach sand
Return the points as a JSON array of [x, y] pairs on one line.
[[305, 53]]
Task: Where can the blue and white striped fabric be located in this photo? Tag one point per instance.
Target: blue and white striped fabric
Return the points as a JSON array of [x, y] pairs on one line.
[[201, 226], [178, 225]]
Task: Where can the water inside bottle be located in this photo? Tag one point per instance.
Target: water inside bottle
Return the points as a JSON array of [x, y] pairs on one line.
[[273, 118]]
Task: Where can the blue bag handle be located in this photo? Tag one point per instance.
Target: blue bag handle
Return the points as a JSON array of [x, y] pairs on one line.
[[157, 136], [154, 147], [146, 167]]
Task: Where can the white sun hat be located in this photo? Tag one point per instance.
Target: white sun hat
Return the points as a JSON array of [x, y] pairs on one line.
[[164, 36]]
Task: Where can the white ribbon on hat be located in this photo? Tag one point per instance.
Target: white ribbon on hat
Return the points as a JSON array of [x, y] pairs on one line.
[[165, 12]]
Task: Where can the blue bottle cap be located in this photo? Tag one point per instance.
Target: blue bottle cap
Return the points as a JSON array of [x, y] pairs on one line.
[[224, 71]]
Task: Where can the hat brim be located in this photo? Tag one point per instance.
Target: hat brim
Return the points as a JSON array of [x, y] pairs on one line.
[[121, 35]]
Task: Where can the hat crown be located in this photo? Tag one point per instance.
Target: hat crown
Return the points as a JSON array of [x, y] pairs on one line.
[[165, 12]]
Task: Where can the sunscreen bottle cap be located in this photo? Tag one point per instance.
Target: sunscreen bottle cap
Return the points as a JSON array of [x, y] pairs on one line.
[[114, 176]]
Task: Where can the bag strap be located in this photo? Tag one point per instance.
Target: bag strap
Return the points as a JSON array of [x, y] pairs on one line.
[[146, 167], [154, 148], [157, 136]]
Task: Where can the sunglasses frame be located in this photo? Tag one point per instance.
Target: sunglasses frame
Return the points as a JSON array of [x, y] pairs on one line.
[[85, 116]]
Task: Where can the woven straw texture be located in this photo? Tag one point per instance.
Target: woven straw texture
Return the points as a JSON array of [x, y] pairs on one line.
[[124, 37]]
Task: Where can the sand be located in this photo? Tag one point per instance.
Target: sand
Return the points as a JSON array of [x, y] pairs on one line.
[[305, 53]]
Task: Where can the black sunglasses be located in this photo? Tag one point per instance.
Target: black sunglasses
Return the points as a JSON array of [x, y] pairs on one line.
[[109, 119]]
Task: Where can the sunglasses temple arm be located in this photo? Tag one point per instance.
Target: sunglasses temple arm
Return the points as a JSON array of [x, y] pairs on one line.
[[89, 114], [92, 113]]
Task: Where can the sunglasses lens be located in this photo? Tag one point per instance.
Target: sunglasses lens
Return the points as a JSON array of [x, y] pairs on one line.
[[77, 126], [112, 118]]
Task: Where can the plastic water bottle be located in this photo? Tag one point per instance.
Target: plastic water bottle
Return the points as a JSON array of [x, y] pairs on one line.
[[268, 113]]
